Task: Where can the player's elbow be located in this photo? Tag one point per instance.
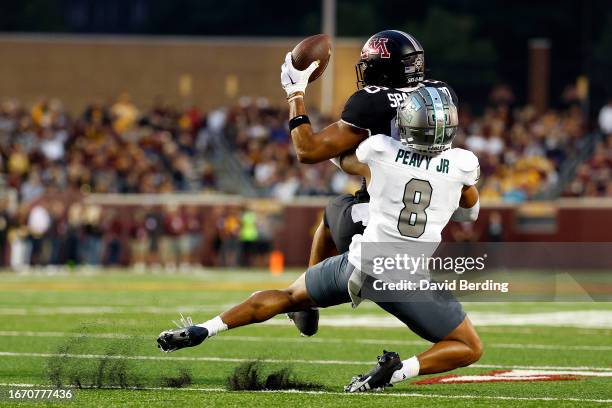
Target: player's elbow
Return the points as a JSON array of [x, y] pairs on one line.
[[306, 157]]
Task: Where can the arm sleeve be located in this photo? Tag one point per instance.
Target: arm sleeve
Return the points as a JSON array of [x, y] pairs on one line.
[[364, 151], [466, 214], [470, 168]]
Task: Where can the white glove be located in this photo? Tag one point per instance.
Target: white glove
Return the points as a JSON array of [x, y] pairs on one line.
[[294, 80]]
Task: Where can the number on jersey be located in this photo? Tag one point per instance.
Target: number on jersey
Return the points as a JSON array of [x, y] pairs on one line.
[[413, 217]]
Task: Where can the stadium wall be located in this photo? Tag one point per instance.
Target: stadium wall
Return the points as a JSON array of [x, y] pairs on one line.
[[564, 220], [206, 71]]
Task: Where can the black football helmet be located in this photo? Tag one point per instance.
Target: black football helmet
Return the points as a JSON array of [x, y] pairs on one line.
[[391, 58]]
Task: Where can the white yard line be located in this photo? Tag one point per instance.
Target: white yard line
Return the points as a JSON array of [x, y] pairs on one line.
[[589, 319], [171, 357], [585, 319], [101, 310], [360, 395], [598, 319], [317, 340]]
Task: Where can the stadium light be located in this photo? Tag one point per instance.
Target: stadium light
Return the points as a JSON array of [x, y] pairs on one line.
[[329, 28]]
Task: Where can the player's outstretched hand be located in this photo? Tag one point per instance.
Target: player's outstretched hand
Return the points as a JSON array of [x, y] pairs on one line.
[[294, 80]]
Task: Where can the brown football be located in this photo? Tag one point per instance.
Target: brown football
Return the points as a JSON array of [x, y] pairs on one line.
[[314, 48]]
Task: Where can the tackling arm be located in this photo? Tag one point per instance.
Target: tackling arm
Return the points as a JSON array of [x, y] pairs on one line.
[[351, 165], [469, 205]]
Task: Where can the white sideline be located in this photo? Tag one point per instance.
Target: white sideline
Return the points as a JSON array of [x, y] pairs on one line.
[[586, 319], [358, 395], [319, 340], [170, 357], [598, 319], [97, 310]]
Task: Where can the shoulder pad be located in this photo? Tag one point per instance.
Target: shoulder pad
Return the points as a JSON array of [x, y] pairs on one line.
[[379, 142], [467, 161], [364, 108], [440, 84]]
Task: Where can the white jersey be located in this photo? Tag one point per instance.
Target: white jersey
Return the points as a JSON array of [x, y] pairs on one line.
[[412, 194]]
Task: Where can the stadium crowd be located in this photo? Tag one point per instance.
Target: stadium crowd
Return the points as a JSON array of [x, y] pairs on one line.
[[53, 233], [594, 177], [120, 148], [110, 148], [520, 151]]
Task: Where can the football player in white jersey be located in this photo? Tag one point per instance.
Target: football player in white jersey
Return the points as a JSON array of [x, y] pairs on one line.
[[417, 184]]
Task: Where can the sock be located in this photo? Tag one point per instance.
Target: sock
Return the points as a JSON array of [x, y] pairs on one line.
[[410, 368], [214, 326]]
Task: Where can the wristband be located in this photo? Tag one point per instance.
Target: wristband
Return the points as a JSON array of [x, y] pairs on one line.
[[297, 121]]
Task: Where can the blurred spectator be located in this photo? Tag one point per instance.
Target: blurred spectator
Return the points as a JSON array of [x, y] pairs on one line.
[[5, 222], [20, 248], [174, 243], [248, 236], [73, 234], [193, 225], [124, 114], [265, 234], [593, 177], [113, 228], [57, 233], [154, 227], [495, 228], [228, 230], [91, 243], [138, 238], [39, 222], [32, 188]]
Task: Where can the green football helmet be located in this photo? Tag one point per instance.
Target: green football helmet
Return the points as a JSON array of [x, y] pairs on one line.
[[427, 120]]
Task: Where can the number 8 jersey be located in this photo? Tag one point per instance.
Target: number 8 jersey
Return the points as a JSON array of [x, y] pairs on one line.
[[413, 194]]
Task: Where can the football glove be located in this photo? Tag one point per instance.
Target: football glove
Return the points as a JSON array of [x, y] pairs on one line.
[[293, 80]]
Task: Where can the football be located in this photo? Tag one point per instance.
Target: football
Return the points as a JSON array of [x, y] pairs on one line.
[[314, 48]]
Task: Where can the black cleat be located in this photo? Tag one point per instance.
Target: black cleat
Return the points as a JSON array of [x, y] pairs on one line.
[[187, 335], [379, 377], [307, 321]]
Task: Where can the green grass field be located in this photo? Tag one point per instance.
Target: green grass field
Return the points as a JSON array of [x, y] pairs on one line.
[[94, 313]]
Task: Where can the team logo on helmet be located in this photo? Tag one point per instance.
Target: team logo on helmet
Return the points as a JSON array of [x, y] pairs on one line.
[[376, 46]]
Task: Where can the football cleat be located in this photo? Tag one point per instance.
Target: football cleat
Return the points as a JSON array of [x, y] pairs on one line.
[[307, 321], [187, 335], [378, 377]]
